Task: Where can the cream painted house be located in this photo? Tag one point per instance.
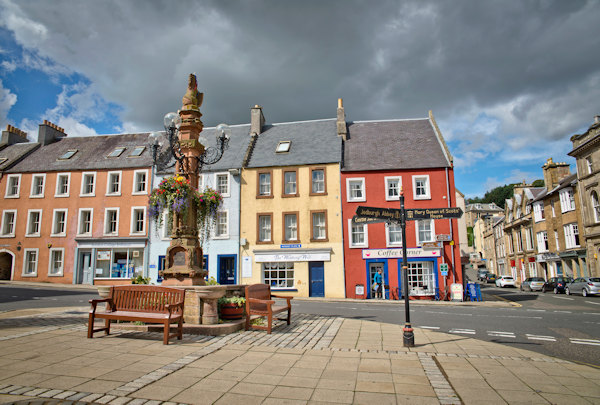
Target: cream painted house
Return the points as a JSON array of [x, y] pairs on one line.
[[290, 228]]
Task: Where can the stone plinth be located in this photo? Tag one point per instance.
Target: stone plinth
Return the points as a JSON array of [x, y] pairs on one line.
[[201, 304]]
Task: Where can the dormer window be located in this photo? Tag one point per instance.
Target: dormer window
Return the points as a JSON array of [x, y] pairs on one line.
[[68, 154], [137, 151], [283, 147], [116, 152]]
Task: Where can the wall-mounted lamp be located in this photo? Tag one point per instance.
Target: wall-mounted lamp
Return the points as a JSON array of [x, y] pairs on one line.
[[49, 245], [19, 246]]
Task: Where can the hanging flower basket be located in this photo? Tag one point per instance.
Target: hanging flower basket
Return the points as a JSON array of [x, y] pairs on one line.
[[177, 196]]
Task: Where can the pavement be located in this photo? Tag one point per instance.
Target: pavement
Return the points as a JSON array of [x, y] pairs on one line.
[[46, 358]]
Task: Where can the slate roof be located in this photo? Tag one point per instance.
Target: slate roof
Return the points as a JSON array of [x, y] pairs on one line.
[[233, 156], [13, 153], [313, 142], [91, 154], [394, 144]]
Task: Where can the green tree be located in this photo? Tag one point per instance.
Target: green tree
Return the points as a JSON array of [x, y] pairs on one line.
[[496, 195], [538, 183]]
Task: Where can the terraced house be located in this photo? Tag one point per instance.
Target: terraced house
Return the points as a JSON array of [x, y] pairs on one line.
[[74, 210], [291, 234]]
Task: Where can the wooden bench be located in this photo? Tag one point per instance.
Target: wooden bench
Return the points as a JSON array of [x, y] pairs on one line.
[[143, 303], [259, 302]]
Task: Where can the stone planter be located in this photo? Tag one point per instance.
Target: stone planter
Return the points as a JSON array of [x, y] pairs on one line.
[[103, 290]]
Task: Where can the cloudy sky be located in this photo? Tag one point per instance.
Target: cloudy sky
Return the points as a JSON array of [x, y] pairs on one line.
[[509, 81]]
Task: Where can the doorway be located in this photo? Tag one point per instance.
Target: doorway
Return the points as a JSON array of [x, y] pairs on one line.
[[86, 274], [316, 276], [6, 265], [372, 268], [226, 269]]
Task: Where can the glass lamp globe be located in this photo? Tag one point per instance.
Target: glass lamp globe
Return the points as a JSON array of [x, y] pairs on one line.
[[223, 130], [153, 138], [171, 119], [203, 141]]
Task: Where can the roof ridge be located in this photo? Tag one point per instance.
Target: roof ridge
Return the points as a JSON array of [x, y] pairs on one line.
[[389, 120], [300, 122]]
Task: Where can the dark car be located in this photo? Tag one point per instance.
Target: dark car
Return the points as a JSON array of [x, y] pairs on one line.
[[481, 273], [490, 278], [557, 284]]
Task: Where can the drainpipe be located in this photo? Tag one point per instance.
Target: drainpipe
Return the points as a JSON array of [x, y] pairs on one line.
[[342, 228], [450, 220]]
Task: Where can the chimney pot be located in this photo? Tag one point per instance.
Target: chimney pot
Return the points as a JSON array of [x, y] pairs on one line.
[[597, 119]]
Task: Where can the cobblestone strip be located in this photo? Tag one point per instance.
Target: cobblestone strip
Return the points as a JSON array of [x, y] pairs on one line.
[[329, 334], [444, 391], [31, 332]]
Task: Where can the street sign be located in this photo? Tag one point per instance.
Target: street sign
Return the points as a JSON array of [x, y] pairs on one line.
[[431, 245], [382, 214], [444, 269], [443, 238], [433, 213], [364, 220]]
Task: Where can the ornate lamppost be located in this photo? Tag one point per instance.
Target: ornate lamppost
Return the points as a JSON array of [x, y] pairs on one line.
[[188, 152]]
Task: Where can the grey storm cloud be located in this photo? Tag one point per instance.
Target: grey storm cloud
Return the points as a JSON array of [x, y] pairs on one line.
[[533, 65]]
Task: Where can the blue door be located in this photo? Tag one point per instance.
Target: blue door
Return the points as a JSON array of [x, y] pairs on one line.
[[316, 279], [226, 269], [161, 266]]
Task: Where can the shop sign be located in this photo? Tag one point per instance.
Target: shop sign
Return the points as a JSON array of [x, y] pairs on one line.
[[544, 257], [103, 255], [443, 238], [433, 213], [365, 220], [456, 292], [359, 289], [293, 257], [294, 246], [431, 245], [397, 253]]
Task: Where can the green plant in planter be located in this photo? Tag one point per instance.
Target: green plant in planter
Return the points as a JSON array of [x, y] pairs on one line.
[[212, 281], [139, 279], [238, 301]]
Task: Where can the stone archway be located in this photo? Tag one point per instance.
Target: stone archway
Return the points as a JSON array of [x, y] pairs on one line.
[[7, 262]]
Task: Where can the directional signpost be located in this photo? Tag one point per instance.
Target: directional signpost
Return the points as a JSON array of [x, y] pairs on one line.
[[370, 215]]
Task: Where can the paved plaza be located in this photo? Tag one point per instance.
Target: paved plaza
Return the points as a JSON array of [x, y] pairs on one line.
[[45, 357]]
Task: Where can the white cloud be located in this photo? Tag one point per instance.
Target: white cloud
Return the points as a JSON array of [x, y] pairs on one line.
[[7, 100], [8, 66]]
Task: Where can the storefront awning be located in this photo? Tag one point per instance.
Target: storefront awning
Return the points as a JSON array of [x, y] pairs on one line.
[[111, 243], [292, 255]]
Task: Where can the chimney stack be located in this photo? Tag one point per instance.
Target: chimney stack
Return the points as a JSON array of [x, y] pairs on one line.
[[554, 173], [257, 120], [342, 130], [597, 119], [13, 135], [50, 133]]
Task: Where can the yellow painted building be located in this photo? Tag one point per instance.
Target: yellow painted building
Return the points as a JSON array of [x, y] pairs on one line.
[[290, 227]]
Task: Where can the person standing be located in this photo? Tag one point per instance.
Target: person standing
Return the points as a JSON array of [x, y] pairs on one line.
[[378, 282]]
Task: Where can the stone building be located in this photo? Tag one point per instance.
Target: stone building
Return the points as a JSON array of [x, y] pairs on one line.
[[586, 150], [557, 220], [518, 229]]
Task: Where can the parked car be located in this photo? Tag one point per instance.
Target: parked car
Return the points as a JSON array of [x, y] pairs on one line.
[[481, 273], [532, 284], [505, 281], [490, 278], [584, 286], [557, 284]]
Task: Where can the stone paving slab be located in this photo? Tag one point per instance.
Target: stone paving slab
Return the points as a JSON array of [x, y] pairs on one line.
[[316, 359]]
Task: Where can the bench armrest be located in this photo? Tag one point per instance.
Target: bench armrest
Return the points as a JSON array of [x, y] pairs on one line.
[[172, 307], [257, 301], [96, 302], [288, 299]]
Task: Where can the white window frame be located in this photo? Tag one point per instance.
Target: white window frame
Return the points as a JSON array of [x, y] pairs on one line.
[[279, 281], [220, 215], [79, 224], [51, 262], [200, 182], [9, 180], [26, 262], [538, 211], [427, 195], [34, 177], [57, 191], [216, 182], [105, 229], [288, 231], [3, 224], [319, 226], [363, 190], [109, 182], [589, 164], [134, 211], [388, 180], [417, 224], [353, 245], [165, 231], [557, 240], [27, 230], [388, 241], [542, 241], [595, 202], [268, 184], [54, 223], [571, 230], [84, 175], [319, 182], [567, 199], [529, 238], [269, 229], [136, 182]]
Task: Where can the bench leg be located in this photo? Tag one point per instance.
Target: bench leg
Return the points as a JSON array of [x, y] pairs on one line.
[[91, 326], [247, 326], [107, 326], [289, 317], [270, 324], [180, 329], [166, 333]]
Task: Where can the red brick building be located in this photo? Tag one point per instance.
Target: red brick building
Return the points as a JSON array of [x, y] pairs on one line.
[[381, 158]]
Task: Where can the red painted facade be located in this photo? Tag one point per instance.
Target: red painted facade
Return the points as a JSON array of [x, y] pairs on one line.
[[358, 267]]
